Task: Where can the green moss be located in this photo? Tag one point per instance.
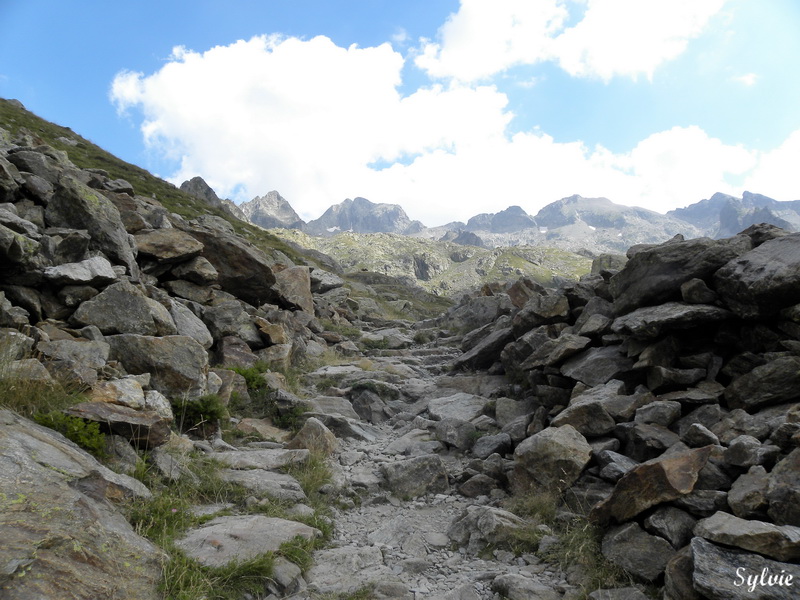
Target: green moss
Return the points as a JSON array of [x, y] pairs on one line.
[[86, 434]]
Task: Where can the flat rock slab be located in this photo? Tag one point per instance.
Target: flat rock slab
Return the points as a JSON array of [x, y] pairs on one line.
[[261, 459], [240, 538], [462, 406], [333, 405], [346, 570], [652, 321], [277, 486], [61, 537], [725, 574]]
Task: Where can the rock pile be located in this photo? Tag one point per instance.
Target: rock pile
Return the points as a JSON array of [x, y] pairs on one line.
[[663, 398]]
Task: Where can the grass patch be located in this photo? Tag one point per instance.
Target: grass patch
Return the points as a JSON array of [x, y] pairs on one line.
[[579, 540], [86, 434], [199, 416]]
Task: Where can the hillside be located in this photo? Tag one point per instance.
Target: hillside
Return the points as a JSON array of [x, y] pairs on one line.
[[443, 268]]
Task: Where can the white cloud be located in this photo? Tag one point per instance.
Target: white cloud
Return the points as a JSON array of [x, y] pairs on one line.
[[485, 38], [308, 118], [748, 79], [775, 174], [631, 37], [611, 38]]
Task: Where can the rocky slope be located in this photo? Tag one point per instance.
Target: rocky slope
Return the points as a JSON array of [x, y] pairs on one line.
[[657, 396], [443, 268]]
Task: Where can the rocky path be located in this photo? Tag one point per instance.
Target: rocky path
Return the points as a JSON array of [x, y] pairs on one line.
[[400, 532]]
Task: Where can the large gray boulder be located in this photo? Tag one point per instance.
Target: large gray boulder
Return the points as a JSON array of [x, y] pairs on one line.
[[551, 459], [178, 365], [763, 281], [240, 538], [95, 271], [655, 275], [61, 535], [123, 308], [77, 206], [638, 552], [416, 476]]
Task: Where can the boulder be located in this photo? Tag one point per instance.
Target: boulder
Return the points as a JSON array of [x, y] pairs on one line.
[[763, 281], [143, 428], [277, 486], [314, 436], [783, 492], [230, 319], [243, 270], [240, 538], [262, 459], [597, 366], [123, 308], [552, 459], [748, 494], [94, 271], [196, 270], [77, 206], [486, 352], [655, 274], [727, 574], [178, 364], [294, 286], [651, 321], [347, 569], [188, 324], [630, 547], [461, 406], [478, 526], [416, 476], [167, 246], [772, 383], [780, 542], [519, 587], [62, 538], [651, 483]]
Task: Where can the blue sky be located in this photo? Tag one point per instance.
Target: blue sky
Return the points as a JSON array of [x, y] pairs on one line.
[[449, 108]]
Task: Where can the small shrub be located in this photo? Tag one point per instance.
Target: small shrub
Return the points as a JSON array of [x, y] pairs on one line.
[[86, 434], [199, 416]]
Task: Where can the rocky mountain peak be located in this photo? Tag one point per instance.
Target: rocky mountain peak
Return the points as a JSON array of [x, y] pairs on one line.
[[272, 210], [197, 187], [512, 219], [363, 216]]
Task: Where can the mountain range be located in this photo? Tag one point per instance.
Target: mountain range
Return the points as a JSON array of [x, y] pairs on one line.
[[587, 225]]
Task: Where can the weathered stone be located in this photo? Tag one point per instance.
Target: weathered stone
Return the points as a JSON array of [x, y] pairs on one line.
[[663, 412], [783, 492], [763, 281], [332, 405], [678, 577], [314, 436], [243, 270], [416, 476], [478, 526], [127, 392], [553, 352], [695, 291], [87, 353], [648, 441], [370, 407], [651, 483], [772, 383], [27, 370], [725, 574], [324, 281], [457, 433], [461, 406], [278, 486], [748, 494], [143, 428], [553, 459], [95, 271], [123, 308], [673, 524], [230, 319], [196, 270], [614, 465], [539, 310], [75, 205], [698, 435], [262, 428], [703, 503], [417, 442], [178, 364], [779, 542], [587, 414], [486, 352], [655, 275], [188, 324], [660, 379], [487, 445], [651, 321], [518, 587], [262, 459], [746, 451], [597, 366], [167, 246], [478, 485], [294, 286], [240, 538], [631, 548], [347, 569], [55, 512]]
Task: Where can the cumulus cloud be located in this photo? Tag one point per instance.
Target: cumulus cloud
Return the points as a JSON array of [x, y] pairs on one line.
[[611, 37], [772, 176], [748, 79], [321, 123]]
